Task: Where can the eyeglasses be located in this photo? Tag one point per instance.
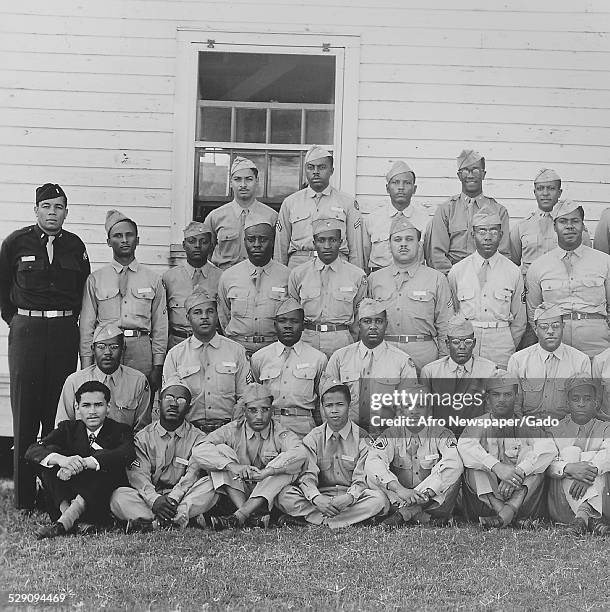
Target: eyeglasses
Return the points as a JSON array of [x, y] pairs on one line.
[[181, 401], [467, 342], [483, 231], [473, 171], [101, 346], [545, 326]]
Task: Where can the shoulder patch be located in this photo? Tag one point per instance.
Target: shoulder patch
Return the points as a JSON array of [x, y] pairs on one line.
[[380, 443], [356, 205], [85, 257], [523, 294], [134, 464], [451, 442]]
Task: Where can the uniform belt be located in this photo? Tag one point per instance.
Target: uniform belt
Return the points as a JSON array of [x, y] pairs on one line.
[[325, 327], [45, 314], [490, 324], [292, 412], [304, 253], [258, 339], [134, 333], [180, 333], [416, 338], [210, 425], [374, 268], [577, 316]]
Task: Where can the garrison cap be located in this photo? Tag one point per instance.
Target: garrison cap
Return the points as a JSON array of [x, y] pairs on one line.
[[242, 163], [545, 175], [324, 224], [174, 383], [398, 167], [459, 327], [255, 392], [400, 223], [48, 191], [547, 311], [500, 380], [113, 217], [369, 308], [580, 381], [486, 216], [316, 152], [468, 157], [197, 298], [106, 332], [565, 207], [289, 305], [254, 219], [328, 382], [195, 228]]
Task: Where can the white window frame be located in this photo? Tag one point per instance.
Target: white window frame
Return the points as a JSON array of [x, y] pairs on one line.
[[346, 48]]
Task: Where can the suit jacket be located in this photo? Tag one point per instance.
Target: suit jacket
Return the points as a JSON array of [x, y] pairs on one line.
[[72, 438]]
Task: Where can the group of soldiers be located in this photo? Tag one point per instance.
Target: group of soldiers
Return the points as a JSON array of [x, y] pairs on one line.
[[269, 343]]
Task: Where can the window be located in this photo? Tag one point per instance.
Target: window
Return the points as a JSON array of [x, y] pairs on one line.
[[264, 106]]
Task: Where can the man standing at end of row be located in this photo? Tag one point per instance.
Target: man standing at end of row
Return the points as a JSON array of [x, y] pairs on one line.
[[293, 241], [449, 236]]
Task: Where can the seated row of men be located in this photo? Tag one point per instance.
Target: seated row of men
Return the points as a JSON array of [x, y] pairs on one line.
[[337, 475]]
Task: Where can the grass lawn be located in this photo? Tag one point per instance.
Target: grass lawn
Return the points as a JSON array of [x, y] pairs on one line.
[[313, 568]]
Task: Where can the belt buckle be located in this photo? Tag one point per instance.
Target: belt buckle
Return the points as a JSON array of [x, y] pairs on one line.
[[258, 339], [51, 314], [419, 338], [323, 328], [129, 333]]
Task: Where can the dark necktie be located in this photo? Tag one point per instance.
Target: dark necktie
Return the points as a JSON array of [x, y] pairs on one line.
[[48, 242], [123, 281], [197, 277], [92, 439]]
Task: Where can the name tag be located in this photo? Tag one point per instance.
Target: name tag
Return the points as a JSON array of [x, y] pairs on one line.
[[346, 289], [28, 258], [419, 293], [181, 461], [430, 457], [145, 290], [347, 458], [229, 364], [279, 289], [300, 366], [336, 209]]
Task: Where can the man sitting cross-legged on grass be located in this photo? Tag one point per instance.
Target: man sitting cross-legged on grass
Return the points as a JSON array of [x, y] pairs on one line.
[[162, 493], [416, 465], [504, 463], [332, 490], [90, 454], [580, 485], [250, 460]]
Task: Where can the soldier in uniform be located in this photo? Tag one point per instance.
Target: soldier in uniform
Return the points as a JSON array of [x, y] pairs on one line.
[[213, 368], [43, 269], [161, 494], [195, 274], [417, 298], [131, 296], [371, 365], [487, 289], [290, 369], [449, 236], [417, 466], [543, 368], [576, 278], [329, 290], [504, 465], [600, 368], [227, 223], [250, 292], [535, 235], [601, 240], [250, 461], [129, 389], [293, 240], [580, 472], [376, 224]]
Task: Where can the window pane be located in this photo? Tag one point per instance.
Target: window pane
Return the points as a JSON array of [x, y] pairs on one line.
[[259, 159], [213, 173], [286, 126], [283, 175], [251, 124], [319, 127], [215, 124]]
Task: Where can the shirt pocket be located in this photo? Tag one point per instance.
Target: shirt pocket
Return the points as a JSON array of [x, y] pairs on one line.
[[270, 373], [503, 298], [402, 460], [325, 464], [30, 273], [225, 376], [592, 290], [227, 240], [552, 289], [303, 381], [428, 461], [465, 294], [142, 303], [512, 448], [238, 298], [108, 303], [300, 221], [421, 304]]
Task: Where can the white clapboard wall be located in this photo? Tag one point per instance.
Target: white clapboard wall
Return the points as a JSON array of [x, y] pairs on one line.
[[87, 100]]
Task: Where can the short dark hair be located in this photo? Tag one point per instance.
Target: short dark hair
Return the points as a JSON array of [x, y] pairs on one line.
[[92, 386], [341, 388]]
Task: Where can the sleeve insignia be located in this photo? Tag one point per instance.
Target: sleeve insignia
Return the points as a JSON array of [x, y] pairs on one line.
[[134, 464], [523, 294], [450, 303], [249, 377], [85, 257], [278, 225], [451, 442], [356, 205], [357, 223], [380, 443]]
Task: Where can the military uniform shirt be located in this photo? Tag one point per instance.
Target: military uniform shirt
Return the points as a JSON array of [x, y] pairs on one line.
[[215, 374], [129, 395], [335, 302], [178, 282], [28, 281], [331, 465], [244, 311], [587, 289], [162, 458], [449, 236], [294, 225], [418, 301], [225, 225], [291, 374], [446, 368], [376, 231], [602, 232], [142, 308]]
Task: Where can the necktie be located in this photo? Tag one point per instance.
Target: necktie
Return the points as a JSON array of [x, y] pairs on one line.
[[460, 372], [242, 222], [92, 439], [170, 450], [123, 281], [255, 456], [546, 223], [483, 273], [550, 367], [257, 279], [413, 446], [317, 199], [581, 438], [567, 260], [48, 240], [110, 384], [333, 446], [197, 277]]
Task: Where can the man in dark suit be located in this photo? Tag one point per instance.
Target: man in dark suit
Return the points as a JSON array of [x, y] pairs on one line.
[[82, 461]]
